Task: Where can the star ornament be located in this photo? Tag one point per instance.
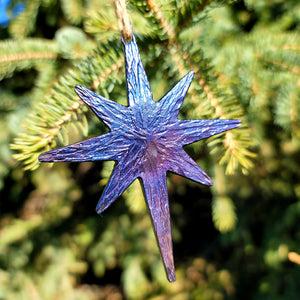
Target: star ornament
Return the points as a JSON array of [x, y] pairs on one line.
[[146, 141]]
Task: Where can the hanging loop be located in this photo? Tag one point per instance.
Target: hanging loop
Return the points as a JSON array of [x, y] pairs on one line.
[[123, 21]]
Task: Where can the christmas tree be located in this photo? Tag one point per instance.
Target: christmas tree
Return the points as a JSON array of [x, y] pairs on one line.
[[231, 240]]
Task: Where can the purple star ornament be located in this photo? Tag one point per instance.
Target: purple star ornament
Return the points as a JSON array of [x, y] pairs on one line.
[[146, 140]]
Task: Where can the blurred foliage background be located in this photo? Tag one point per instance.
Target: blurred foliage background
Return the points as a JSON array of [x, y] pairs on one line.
[[232, 241]]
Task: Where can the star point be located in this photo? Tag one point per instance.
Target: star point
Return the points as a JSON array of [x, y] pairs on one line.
[[146, 141]]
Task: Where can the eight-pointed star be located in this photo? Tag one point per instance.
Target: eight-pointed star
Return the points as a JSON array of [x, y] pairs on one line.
[[146, 140]]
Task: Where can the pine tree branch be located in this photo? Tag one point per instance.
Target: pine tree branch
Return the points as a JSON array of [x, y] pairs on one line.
[[27, 56], [102, 24], [102, 77], [161, 19], [25, 22], [182, 14], [235, 144], [188, 9], [24, 54], [291, 47], [62, 107], [293, 69], [73, 10]]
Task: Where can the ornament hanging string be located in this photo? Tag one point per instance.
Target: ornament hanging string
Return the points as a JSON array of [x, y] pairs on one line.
[[123, 20]]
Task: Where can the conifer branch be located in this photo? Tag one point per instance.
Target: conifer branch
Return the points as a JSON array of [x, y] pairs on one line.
[[73, 10], [188, 9], [27, 56], [103, 24], [291, 47], [20, 55], [236, 153], [293, 69], [25, 22], [62, 107], [161, 19], [102, 77]]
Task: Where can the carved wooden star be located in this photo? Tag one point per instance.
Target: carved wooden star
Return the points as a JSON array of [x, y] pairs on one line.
[[145, 141]]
